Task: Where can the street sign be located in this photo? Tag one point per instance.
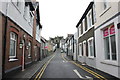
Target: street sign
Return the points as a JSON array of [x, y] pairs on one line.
[[118, 25]]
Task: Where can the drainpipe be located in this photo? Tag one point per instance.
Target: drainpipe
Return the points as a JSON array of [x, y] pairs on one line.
[[4, 43]]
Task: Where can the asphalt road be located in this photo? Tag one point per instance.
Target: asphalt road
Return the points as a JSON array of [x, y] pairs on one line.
[[60, 68]]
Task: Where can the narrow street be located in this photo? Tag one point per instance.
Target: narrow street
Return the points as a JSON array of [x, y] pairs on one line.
[[60, 68]]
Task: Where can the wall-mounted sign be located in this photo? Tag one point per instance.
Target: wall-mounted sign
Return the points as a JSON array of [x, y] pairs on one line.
[[105, 32], [118, 25], [112, 29]]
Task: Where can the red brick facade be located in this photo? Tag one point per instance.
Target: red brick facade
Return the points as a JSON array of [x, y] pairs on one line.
[[21, 35]]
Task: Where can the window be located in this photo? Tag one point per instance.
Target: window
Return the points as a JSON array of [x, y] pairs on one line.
[[80, 49], [16, 3], [105, 4], [13, 45], [89, 19], [84, 48], [90, 47], [79, 29], [29, 49], [31, 18], [83, 25], [110, 43], [94, 13], [27, 13]]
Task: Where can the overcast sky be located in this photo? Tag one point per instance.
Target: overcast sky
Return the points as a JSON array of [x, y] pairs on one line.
[[60, 17]]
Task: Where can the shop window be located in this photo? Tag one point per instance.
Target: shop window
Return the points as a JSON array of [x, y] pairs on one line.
[[110, 43], [13, 45]]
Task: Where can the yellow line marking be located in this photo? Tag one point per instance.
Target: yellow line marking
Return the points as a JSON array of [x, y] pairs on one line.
[[39, 75], [39, 72], [86, 69]]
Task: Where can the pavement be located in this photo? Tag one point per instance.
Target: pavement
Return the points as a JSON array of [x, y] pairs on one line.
[[29, 71], [103, 74], [59, 67]]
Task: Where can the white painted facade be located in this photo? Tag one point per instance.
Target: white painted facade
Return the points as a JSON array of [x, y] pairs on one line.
[[23, 19], [38, 34], [75, 47], [104, 18]]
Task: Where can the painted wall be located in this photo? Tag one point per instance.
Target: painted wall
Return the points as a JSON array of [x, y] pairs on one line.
[[75, 47], [38, 34], [20, 19], [101, 63], [101, 17]]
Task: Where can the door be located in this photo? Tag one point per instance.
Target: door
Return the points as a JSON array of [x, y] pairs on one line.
[[84, 51]]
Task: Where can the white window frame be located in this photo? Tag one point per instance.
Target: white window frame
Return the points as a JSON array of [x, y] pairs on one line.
[[89, 54], [89, 17], [80, 49], [110, 45], [94, 14], [15, 36], [83, 25], [79, 30], [29, 46], [105, 4], [84, 48], [104, 10]]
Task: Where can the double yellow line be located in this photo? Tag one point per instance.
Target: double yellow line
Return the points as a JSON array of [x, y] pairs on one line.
[[39, 75], [86, 69]]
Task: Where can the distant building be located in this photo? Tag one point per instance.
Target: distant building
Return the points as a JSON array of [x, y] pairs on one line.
[[75, 56], [57, 40], [70, 45]]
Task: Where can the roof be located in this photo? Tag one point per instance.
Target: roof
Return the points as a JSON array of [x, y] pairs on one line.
[[85, 13], [43, 39]]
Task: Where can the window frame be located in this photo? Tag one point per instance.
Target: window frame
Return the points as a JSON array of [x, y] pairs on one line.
[[83, 25], [29, 48], [89, 54], [89, 19], [15, 54], [79, 28], [84, 48], [105, 4], [80, 49], [110, 48]]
